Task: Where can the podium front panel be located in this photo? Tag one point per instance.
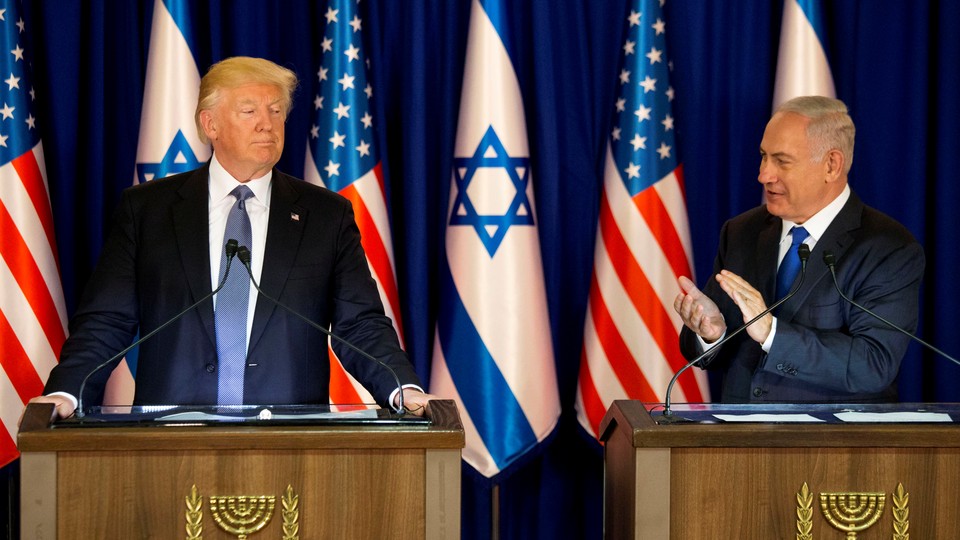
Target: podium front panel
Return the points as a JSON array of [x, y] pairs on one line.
[[768, 479], [264, 481]]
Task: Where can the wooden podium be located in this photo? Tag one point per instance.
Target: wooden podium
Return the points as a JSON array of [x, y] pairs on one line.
[[173, 481], [769, 479]]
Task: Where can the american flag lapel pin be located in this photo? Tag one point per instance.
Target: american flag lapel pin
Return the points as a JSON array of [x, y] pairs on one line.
[[294, 216]]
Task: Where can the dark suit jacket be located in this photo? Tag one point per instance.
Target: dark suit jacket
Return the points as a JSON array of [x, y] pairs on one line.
[[825, 350], [156, 262]]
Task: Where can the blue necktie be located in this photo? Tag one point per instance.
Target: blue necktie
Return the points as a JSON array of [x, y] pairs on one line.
[[232, 302], [790, 266]]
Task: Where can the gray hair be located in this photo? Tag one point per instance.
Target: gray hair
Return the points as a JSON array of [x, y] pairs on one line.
[[830, 126]]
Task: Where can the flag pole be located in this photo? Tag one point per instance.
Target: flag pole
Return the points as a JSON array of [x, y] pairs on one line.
[[495, 512]]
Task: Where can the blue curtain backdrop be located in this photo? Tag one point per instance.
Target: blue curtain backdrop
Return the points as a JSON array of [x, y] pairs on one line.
[[896, 64]]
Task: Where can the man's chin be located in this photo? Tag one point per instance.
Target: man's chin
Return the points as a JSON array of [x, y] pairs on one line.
[[774, 204]]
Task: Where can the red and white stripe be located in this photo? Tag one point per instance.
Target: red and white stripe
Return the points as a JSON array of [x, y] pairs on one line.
[[631, 335], [33, 323], [368, 196]]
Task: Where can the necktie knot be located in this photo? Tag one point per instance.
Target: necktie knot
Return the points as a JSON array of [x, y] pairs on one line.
[[790, 266], [798, 233], [242, 193]]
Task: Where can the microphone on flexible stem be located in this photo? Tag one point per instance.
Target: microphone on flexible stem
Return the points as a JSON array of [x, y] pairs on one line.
[[230, 250], [243, 253], [668, 417], [831, 261]]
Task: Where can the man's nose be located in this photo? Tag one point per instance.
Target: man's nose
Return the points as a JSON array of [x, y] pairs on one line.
[[263, 121], [766, 176]]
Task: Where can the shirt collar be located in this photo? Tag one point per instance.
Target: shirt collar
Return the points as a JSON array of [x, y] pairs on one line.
[[818, 223], [221, 184]]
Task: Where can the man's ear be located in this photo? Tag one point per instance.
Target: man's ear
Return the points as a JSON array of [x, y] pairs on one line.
[[834, 162], [209, 124]]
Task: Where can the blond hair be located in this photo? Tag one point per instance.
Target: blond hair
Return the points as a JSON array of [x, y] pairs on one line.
[[830, 126], [238, 71]]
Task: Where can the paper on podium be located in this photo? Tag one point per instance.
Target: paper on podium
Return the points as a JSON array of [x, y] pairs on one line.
[[897, 416]]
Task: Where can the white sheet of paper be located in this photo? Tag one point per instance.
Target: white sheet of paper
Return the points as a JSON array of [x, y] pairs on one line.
[[767, 417], [903, 416], [197, 416]]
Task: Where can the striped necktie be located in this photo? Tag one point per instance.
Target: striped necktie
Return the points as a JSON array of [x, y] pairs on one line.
[[230, 317]]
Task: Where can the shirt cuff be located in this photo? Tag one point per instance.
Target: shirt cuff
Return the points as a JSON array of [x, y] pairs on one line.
[[767, 343], [393, 395], [704, 346], [66, 395]]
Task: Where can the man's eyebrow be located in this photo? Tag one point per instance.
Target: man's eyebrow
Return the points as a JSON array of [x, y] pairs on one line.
[[251, 101], [778, 155]]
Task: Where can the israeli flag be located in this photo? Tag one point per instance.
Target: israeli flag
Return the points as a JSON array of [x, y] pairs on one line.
[[493, 352], [168, 143], [802, 66]]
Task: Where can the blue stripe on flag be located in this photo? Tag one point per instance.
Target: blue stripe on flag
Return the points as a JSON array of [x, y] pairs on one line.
[[497, 13], [180, 12], [493, 408], [813, 10]]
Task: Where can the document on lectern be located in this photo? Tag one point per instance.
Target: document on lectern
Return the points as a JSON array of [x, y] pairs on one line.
[[785, 413], [179, 415]]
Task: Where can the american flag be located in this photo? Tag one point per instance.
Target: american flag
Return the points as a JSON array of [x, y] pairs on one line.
[[342, 156], [802, 67], [630, 347], [32, 311]]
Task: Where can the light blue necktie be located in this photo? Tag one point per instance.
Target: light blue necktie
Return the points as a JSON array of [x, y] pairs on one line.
[[790, 266], [232, 302]]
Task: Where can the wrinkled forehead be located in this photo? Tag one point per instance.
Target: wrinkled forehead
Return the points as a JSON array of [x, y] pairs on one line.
[[786, 132], [254, 93]]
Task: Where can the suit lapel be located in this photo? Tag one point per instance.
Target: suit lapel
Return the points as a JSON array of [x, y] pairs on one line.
[[192, 230], [284, 234], [766, 261]]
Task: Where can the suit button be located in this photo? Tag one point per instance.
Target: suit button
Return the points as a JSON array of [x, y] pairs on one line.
[[211, 368], [757, 392]]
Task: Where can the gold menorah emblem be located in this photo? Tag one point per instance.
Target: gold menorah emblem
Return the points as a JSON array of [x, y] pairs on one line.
[[242, 515], [852, 512]]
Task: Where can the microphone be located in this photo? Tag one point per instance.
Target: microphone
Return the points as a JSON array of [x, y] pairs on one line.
[[230, 250], [831, 261], [243, 254], [667, 418]]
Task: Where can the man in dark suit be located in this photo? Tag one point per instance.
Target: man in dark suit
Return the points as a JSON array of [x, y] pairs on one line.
[[815, 347], [166, 251]]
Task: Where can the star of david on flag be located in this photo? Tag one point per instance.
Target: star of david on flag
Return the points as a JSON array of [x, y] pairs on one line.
[[178, 158], [491, 154]]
